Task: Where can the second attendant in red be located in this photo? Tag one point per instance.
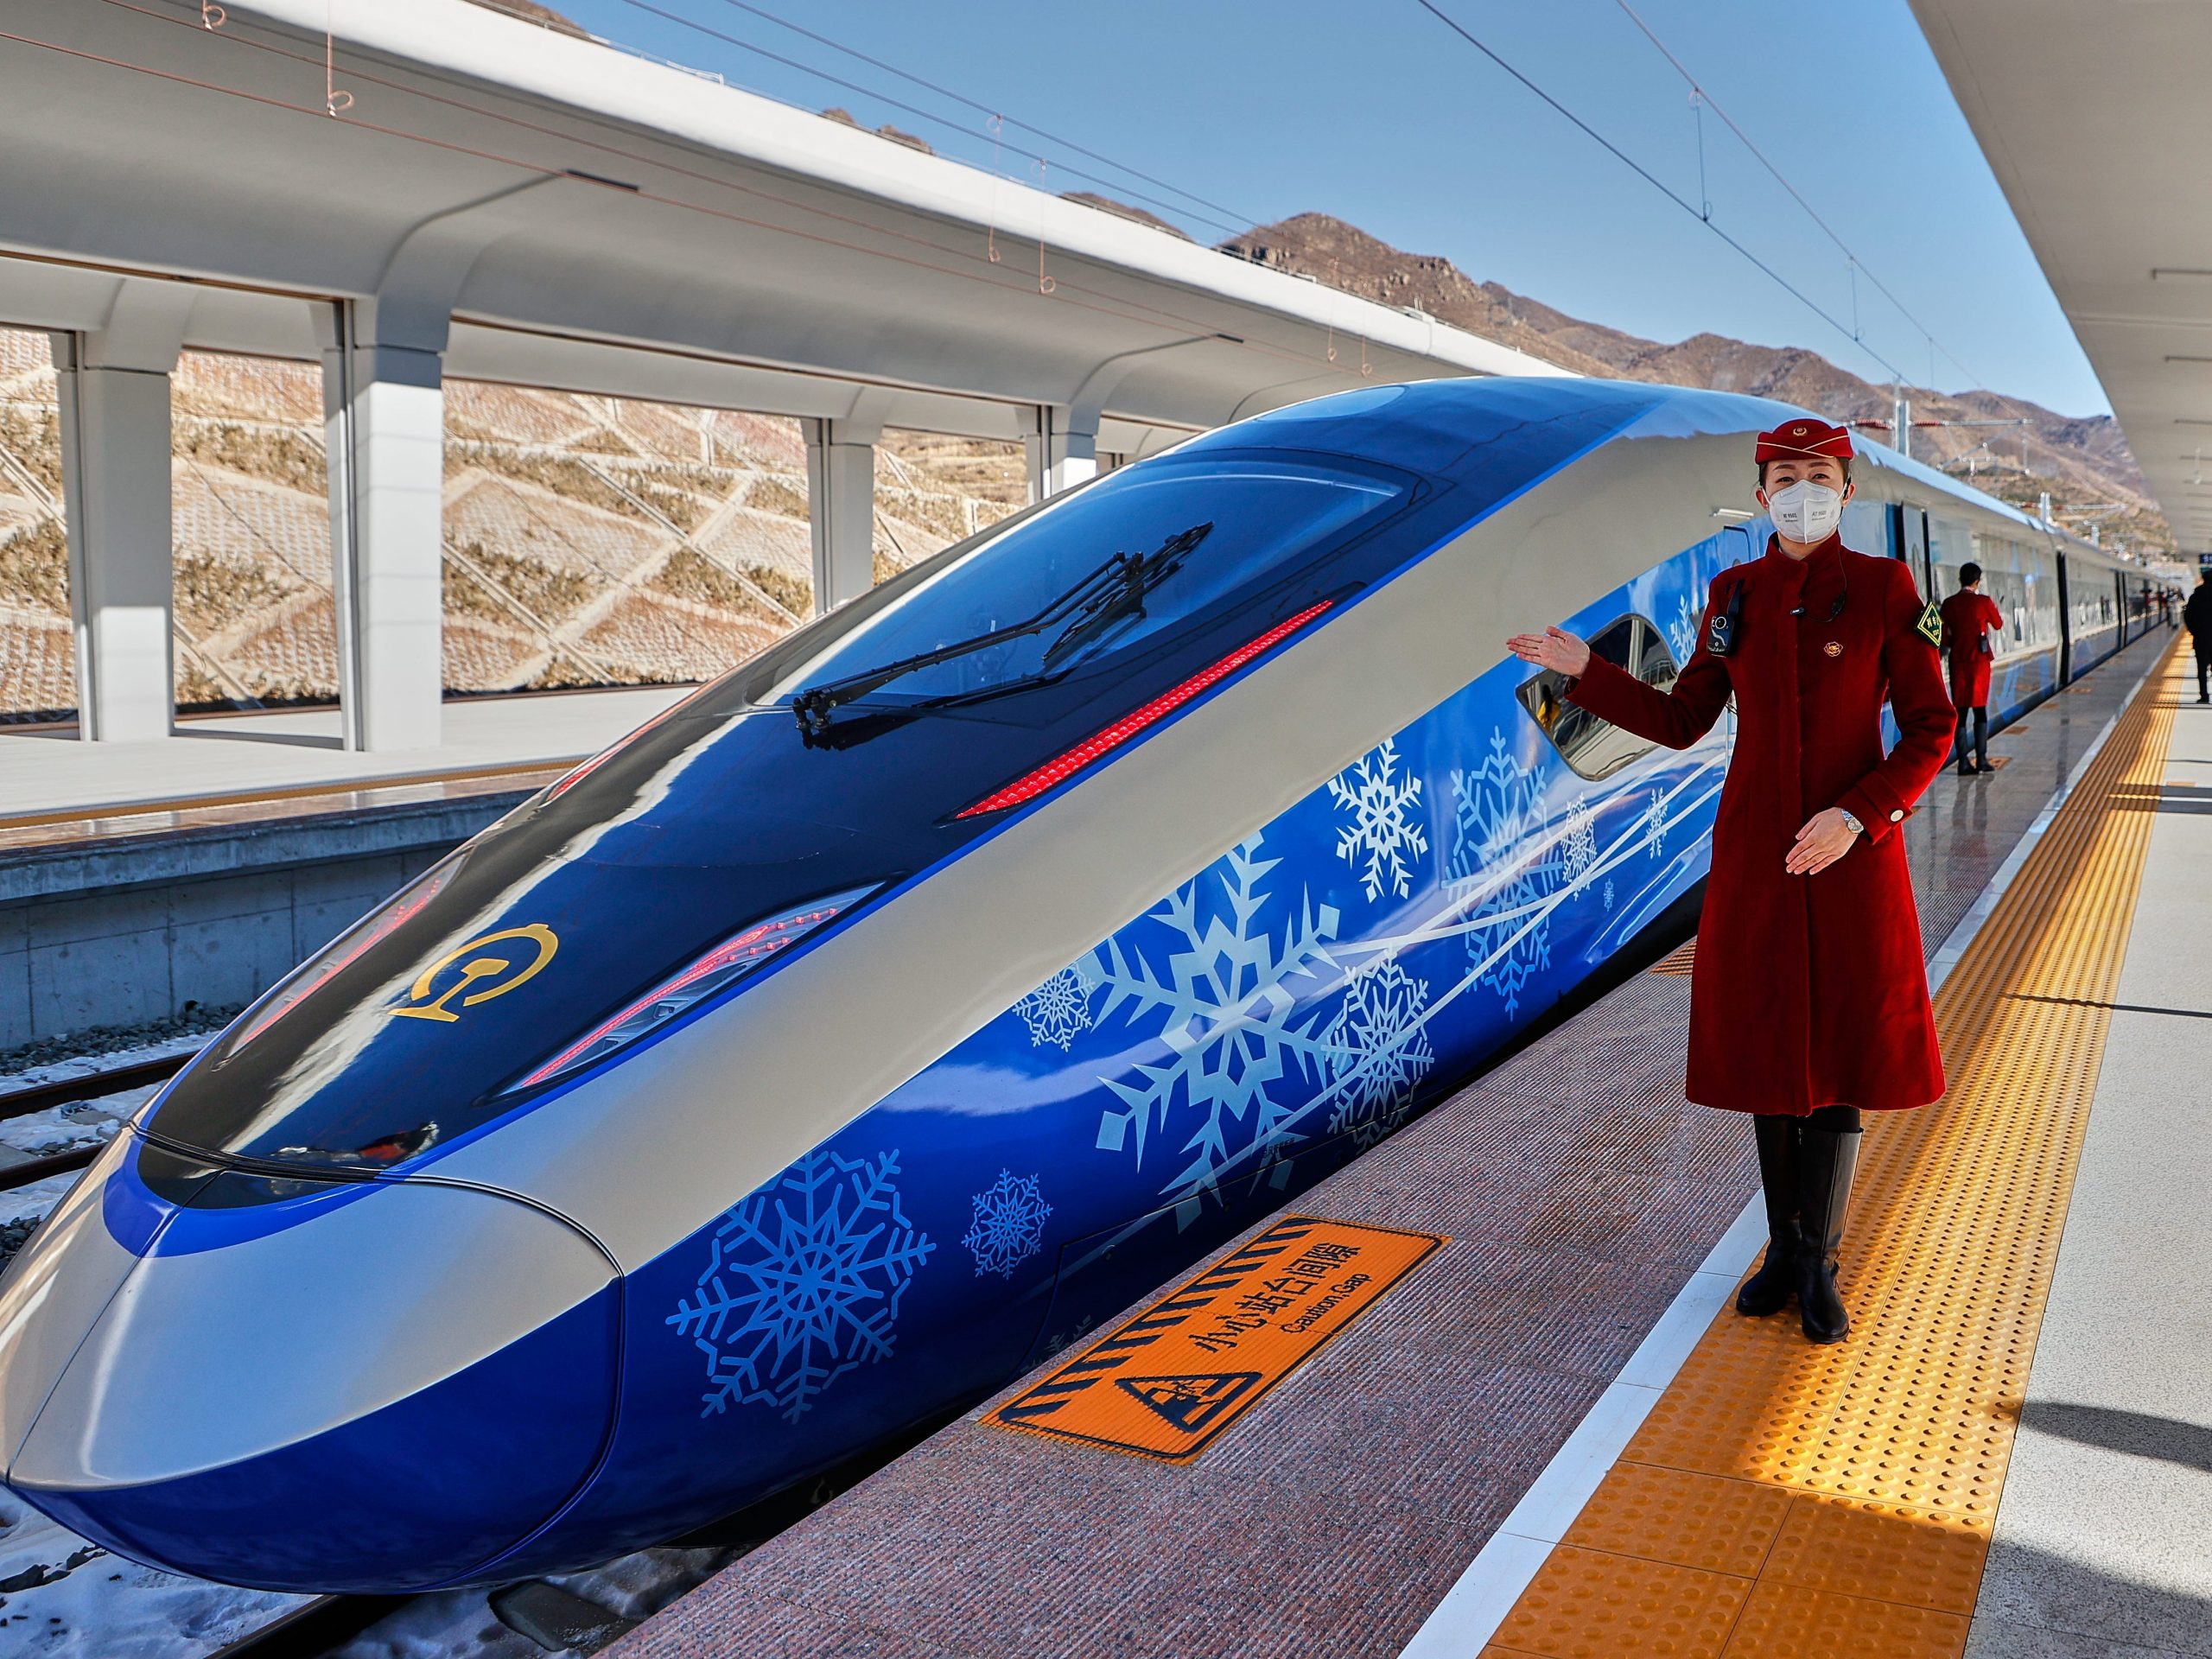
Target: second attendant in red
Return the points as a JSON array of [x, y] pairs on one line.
[[1968, 615]]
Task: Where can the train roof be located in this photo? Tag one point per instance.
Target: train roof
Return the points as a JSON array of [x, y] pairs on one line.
[[1427, 418]]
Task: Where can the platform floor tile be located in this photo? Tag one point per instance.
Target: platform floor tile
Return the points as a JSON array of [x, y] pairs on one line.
[[1784, 1620], [1585, 1604]]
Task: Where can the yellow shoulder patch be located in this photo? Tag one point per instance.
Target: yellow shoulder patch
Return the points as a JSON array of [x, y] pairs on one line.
[[1930, 625]]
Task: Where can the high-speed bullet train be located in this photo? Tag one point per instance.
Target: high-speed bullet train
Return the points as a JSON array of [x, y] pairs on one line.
[[907, 1000]]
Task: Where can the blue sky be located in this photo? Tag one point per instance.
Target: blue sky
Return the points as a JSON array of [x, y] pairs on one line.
[[1374, 111]]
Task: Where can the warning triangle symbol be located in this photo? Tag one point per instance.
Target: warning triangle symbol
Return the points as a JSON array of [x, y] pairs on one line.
[[1191, 1403]]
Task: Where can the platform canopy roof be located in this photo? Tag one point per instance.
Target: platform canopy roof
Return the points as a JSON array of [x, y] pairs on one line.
[[589, 220], [2094, 116]]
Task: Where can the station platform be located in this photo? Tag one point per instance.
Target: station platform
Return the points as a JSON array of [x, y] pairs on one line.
[[1552, 1436], [52, 784]]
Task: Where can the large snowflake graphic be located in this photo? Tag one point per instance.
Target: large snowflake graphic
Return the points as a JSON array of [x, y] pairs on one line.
[[1058, 1011], [1382, 831], [1010, 1225], [1578, 842], [1378, 1050], [1681, 632], [803, 1283], [1239, 1063], [1496, 825]]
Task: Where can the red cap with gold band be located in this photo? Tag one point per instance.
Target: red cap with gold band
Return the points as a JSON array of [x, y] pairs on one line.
[[1807, 437]]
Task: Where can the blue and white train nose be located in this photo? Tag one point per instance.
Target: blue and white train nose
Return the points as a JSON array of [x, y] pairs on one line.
[[403, 1377]]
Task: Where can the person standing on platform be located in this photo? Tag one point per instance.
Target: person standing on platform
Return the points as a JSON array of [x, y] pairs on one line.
[[2197, 616], [1968, 615], [1808, 991]]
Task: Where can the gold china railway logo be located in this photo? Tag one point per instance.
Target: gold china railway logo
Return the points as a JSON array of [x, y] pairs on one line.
[[490, 973]]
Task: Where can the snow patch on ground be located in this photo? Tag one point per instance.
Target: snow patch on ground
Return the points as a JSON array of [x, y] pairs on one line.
[[55, 1059], [61, 1597]]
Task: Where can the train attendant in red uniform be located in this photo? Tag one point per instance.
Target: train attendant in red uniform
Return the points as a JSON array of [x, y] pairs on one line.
[[1809, 989], [1968, 615]]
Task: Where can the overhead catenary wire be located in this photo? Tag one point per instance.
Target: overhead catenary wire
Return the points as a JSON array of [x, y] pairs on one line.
[[1052, 138], [1858, 266], [1665, 189], [925, 115]]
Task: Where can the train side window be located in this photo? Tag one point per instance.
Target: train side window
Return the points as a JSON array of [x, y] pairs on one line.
[[1593, 748]]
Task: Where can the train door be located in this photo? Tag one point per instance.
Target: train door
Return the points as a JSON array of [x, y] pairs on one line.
[[1912, 547], [2065, 624]]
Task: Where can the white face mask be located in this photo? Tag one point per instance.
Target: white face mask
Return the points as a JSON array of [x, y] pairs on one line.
[[1806, 512]]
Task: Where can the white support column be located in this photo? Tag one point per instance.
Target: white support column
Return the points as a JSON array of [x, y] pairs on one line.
[[841, 509], [114, 385], [1061, 451], [384, 421]]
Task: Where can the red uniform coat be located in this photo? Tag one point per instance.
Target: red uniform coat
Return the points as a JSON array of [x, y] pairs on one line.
[[1966, 614], [1806, 990]]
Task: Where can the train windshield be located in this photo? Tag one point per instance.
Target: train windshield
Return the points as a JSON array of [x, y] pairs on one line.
[[1090, 577]]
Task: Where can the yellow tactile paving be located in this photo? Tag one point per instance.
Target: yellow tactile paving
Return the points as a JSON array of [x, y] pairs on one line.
[[1585, 1604], [1685, 1519], [1783, 1619], [1836, 1502], [1919, 1557]]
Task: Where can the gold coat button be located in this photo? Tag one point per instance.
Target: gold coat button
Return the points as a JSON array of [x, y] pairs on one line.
[[1835, 647]]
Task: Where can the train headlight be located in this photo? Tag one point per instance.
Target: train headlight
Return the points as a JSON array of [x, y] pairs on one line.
[[728, 962]]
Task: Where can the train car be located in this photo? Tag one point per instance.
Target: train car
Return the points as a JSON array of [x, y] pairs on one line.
[[898, 1006], [2067, 605]]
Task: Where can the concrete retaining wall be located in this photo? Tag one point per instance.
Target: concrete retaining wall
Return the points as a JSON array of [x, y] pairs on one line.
[[134, 927]]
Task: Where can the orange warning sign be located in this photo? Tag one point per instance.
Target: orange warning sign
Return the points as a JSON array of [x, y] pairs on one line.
[[1173, 1377]]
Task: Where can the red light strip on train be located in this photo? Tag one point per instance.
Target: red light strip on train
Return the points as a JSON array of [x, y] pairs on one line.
[[748, 950], [1067, 766]]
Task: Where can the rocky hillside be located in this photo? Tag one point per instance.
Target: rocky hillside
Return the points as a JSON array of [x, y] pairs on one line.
[[2079, 460]]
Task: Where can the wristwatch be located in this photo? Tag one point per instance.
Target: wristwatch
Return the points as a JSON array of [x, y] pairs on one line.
[[1851, 823]]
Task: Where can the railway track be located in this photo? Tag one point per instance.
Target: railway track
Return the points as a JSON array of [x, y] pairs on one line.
[[23, 1101]]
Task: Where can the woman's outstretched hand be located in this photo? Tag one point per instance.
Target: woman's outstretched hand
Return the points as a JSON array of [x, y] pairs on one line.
[[1554, 648]]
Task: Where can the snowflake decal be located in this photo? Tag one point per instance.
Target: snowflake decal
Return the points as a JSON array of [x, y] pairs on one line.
[[1497, 814], [1681, 632], [1010, 1225], [1578, 842], [1379, 1051], [1058, 1011], [1655, 824], [1224, 1003], [1609, 895], [803, 1283], [1382, 830]]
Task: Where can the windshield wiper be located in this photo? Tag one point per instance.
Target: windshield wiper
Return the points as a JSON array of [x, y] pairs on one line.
[[1110, 594]]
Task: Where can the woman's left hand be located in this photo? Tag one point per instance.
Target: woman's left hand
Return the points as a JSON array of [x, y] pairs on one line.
[[1824, 839]]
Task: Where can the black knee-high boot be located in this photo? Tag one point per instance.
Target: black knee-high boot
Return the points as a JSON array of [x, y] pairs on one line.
[[1769, 1289], [1828, 1154]]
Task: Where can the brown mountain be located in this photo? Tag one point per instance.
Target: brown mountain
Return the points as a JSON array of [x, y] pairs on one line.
[[1107, 204], [530, 11], [843, 118], [2079, 460]]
